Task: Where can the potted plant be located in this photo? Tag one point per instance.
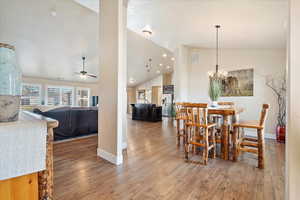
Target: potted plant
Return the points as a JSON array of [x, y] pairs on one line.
[[215, 91], [278, 86]]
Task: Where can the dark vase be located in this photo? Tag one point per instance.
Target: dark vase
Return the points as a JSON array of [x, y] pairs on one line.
[[280, 134]]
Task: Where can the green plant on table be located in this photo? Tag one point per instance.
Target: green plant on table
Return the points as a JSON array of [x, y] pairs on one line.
[[215, 89]]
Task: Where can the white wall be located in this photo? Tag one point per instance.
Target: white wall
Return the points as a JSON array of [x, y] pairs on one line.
[[181, 73], [264, 61], [293, 133]]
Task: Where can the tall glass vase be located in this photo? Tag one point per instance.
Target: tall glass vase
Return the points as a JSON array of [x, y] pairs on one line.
[[10, 84]]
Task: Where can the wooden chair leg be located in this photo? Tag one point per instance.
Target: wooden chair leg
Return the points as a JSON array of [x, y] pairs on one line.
[[205, 150], [184, 133], [213, 132], [187, 145], [187, 151], [178, 132], [234, 141], [261, 148]]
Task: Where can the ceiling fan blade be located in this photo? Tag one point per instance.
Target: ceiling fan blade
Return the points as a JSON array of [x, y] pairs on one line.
[[92, 75]]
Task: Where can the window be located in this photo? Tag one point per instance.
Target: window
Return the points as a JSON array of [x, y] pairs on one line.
[[83, 97], [67, 96], [59, 95], [31, 94]]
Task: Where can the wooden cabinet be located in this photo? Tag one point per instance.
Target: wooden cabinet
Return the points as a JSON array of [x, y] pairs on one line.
[[38, 183], [20, 188]]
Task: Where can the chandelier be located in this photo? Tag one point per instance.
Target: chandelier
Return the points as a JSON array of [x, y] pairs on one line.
[[149, 65], [217, 74]]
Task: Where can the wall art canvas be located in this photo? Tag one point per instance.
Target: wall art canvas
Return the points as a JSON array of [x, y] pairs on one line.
[[141, 94], [238, 83]]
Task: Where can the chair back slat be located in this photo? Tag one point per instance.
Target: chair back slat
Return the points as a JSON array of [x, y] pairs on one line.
[[197, 113], [263, 114], [180, 110]]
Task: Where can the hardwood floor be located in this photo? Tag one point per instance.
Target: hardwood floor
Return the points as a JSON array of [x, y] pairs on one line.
[[154, 168]]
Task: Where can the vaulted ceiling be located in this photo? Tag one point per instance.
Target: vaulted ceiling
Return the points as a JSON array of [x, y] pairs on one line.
[[245, 23], [52, 47]]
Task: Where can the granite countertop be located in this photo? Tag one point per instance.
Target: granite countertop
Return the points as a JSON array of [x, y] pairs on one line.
[[23, 145]]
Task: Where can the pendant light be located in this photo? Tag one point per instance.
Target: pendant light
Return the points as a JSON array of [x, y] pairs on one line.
[[217, 74]]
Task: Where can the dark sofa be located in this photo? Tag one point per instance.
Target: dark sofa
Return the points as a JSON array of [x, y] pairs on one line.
[[73, 121], [146, 112]]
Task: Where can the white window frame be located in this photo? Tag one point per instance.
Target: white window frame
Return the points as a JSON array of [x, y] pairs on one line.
[[34, 85], [60, 93], [89, 95]]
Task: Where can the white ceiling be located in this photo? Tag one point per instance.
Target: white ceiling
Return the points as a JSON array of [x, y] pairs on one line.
[[245, 23], [52, 47]]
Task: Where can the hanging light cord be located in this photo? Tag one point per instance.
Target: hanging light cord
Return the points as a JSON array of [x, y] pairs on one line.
[[217, 53]]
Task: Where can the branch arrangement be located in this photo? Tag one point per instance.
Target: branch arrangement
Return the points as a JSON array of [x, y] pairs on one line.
[[278, 86]]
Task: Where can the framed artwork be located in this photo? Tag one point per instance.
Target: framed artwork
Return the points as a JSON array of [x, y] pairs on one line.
[[238, 83], [142, 94]]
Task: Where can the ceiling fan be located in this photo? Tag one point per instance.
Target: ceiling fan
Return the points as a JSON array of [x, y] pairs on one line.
[[84, 74]]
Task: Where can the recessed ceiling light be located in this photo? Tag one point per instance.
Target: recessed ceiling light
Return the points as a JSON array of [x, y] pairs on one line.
[[131, 80], [164, 55], [147, 31], [53, 12], [160, 65], [158, 72], [168, 67], [173, 59]]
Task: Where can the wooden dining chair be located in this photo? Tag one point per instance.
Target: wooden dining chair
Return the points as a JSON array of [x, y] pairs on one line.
[[255, 145], [180, 118], [200, 133]]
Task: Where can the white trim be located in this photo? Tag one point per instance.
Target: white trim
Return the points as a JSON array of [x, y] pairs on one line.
[[114, 159], [254, 134]]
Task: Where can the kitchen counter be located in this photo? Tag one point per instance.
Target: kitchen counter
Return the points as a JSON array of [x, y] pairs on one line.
[[26, 151]]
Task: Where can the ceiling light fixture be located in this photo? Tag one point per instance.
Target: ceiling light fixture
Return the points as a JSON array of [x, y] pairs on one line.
[[53, 12], [168, 67], [83, 76], [164, 55], [173, 59], [131, 80], [149, 65], [158, 72], [160, 65], [147, 31]]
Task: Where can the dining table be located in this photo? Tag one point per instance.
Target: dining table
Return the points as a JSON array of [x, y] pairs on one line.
[[227, 113]]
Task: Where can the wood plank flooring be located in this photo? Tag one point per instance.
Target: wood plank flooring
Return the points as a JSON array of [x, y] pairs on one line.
[[154, 168]]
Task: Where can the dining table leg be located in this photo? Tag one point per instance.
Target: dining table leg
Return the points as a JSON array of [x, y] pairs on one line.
[[225, 138]]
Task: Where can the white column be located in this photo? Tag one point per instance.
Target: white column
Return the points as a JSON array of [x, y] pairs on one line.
[[112, 79], [293, 132], [181, 74]]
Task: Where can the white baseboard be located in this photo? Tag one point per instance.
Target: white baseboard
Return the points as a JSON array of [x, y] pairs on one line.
[[117, 160], [254, 134]]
